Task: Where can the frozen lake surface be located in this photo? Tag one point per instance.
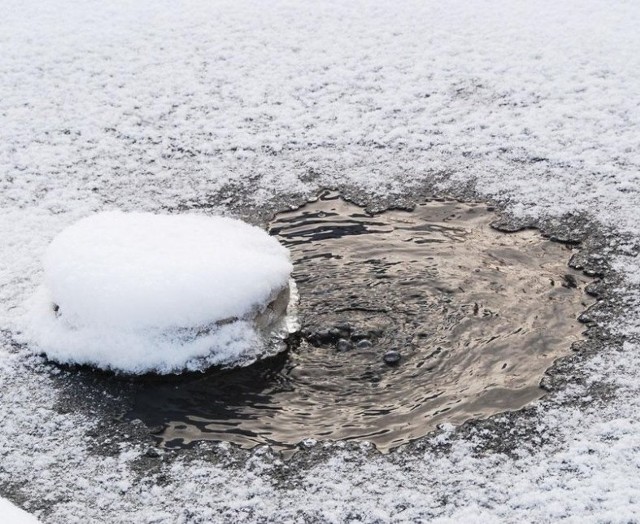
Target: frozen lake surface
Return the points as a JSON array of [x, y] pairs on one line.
[[246, 108]]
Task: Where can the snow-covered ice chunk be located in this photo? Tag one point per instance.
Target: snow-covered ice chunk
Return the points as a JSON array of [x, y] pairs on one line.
[[140, 292]]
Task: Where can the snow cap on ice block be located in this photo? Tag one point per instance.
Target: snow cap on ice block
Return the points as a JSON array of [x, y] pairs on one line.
[[140, 292]]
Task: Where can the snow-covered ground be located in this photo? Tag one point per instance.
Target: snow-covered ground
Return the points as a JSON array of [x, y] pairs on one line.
[[171, 106]]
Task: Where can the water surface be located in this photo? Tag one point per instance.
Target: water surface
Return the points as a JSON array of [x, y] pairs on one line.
[[477, 316]]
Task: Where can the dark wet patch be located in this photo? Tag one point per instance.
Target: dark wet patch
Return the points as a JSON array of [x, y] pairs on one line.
[[410, 319], [568, 383]]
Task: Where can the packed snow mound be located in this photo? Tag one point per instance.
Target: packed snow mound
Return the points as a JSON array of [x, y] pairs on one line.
[[140, 292], [145, 270]]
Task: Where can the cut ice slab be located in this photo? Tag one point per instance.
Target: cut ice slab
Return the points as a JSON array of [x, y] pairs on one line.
[[140, 292]]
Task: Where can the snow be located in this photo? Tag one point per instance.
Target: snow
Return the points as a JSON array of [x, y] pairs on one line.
[[163, 106], [10, 514], [133, 291]]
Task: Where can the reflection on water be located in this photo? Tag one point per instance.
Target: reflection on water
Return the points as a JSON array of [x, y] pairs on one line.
[[477, 316]]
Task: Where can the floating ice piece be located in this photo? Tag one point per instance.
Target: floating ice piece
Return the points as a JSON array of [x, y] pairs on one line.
[[139, 292]]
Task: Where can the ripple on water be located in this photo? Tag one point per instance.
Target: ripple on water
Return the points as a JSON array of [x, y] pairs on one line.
[[475, 315]]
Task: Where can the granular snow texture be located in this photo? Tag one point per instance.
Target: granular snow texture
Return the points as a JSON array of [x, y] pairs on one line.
[[131, 291], [161, 105]]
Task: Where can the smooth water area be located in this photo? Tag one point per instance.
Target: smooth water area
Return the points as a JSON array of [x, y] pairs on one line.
[[475, 314]]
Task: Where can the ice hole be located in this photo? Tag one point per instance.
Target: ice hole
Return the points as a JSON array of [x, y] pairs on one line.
[[476, 315]]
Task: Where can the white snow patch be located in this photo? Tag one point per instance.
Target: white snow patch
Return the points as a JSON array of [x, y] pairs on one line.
[[142, 292], [11, 514]]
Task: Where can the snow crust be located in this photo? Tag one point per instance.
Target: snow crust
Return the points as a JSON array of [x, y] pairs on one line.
[[142, 292], [162, 106]]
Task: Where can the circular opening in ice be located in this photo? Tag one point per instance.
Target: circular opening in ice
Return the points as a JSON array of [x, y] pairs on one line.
[[140, 292]]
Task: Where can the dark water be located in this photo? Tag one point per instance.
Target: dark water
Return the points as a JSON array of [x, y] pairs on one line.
[[476, 315]]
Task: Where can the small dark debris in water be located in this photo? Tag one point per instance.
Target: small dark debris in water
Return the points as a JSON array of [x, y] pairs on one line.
[[364, 344], [570, 281], [156, 430], [343, 345], [344, 328], [358, 335], [322, 336], [340, 335], [335, 334], [391, 357], [362, 334], [325, 335], [152, 453]]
